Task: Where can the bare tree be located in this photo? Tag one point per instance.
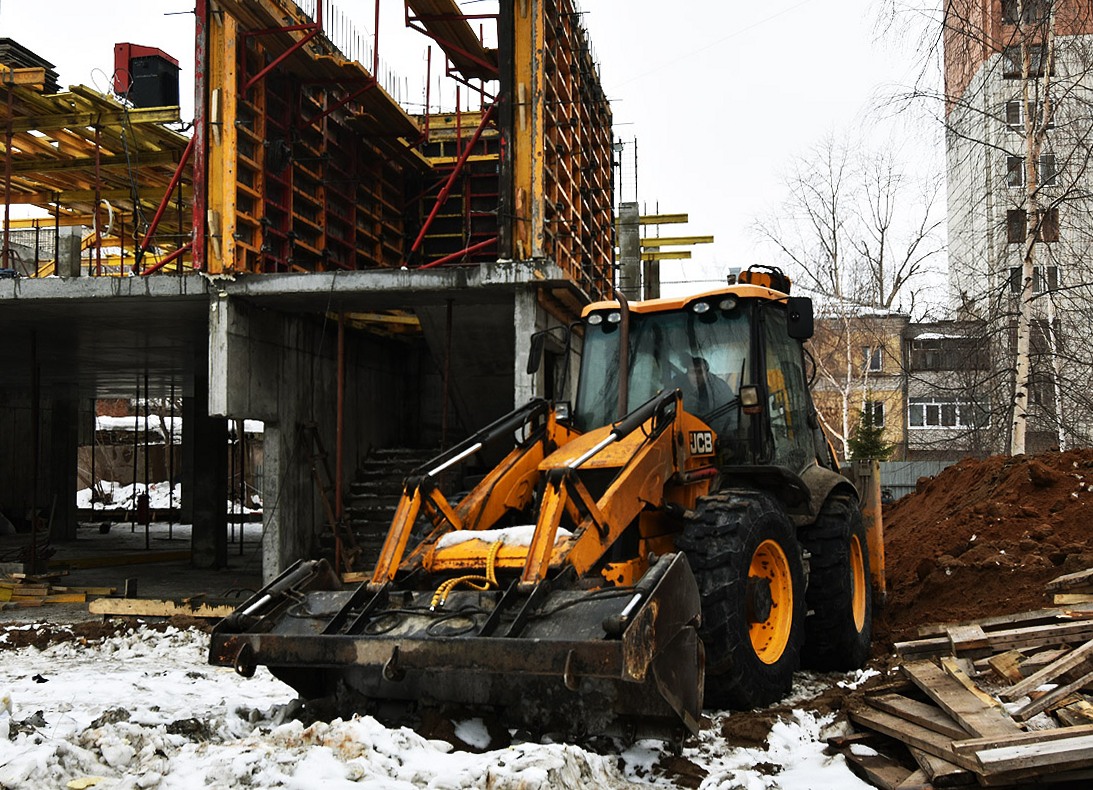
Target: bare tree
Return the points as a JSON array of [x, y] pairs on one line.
[[861, 236], [1017, 108]]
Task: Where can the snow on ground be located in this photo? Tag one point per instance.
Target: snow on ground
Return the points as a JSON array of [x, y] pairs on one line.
[[145, 710], [160, 497]]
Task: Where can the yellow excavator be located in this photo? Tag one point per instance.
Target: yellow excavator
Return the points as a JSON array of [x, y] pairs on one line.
[[678, 535]]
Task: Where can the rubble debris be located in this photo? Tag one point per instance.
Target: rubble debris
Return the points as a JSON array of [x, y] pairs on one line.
[[996, 701]]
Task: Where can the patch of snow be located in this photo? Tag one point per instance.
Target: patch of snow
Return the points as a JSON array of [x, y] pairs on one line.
[[473, 732], [145, 710], [509, 536]]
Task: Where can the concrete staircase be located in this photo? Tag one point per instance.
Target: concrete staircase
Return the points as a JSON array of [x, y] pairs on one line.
[[373, 497]]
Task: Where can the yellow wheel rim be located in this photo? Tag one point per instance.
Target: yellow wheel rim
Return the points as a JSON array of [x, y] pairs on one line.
[[770, 636], [858, 580]]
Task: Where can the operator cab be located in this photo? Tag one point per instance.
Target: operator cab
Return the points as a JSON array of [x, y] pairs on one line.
[[714, 347]]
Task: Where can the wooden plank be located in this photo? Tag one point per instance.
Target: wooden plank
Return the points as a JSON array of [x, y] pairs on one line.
[[145, 607], [921, 713], [970, 745], [122, 559], [1070, 580], [971, 712], [963, 638], [912, 735], [1063, 599], [1042, 636], [876, 769], [955, 669], [999, 622], [916, 780], [1072, 660], [1007, 666], [1048, 757], [941, 773], [1045, 702], [1040, 659]]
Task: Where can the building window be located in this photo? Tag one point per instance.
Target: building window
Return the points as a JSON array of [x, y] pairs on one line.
[[1038, 281], [1049, 225], [1011, 61], [1015, 171], [1015, 116], [947, 353], [946, 413], [873, 414], [1047, 175], [1017, 226], [872, 358], [1031, 11]]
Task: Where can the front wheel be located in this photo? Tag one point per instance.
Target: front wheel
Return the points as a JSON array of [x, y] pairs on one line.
[[839, 628], [748, 566]]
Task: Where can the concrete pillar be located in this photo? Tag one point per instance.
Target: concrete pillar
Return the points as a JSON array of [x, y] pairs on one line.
[[629, 251], [210, 484], [186, 473], [525, 320], [61, 465]]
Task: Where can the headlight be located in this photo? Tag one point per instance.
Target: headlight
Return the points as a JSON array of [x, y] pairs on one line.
[[728, 303], [614, 318], [701, 307], [595, 319]]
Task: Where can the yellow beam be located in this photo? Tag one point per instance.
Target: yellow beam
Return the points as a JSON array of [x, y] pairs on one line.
[[41, 164], [662, 219], [666, 255], [407, 320], [671, 241], [151, 198], [30, 77], [45, 123]]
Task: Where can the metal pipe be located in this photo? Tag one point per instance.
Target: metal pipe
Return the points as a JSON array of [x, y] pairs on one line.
[[446, 190], [98, 201], [339, 443], [277, 61], [176, 254], [457, 255], [147, 496], [376, 43], [447, 374], [171, 466], [7, 174], [167, 195], [474, 448], [201, 120], [624, 354]]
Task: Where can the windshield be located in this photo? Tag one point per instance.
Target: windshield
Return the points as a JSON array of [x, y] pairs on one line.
[[704, 354]]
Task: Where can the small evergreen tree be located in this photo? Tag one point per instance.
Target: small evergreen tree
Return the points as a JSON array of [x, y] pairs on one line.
[[867, 440]]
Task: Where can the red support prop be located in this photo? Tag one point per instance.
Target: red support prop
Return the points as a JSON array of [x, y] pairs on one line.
[[443, 196], [167, 195], [176, 254], [456, 255]]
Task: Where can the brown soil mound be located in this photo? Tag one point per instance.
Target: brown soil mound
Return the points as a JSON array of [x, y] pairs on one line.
[[983, 537]]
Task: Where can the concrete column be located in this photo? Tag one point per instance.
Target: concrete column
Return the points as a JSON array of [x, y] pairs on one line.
[[525, 320], [63, 450], [629, 251], [186, 473], [210, 484]]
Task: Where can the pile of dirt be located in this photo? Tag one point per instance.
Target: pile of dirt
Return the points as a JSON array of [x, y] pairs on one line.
[[983, 537]]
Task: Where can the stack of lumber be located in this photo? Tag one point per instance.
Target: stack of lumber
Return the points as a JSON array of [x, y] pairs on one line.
[[21, 590], [996, 702]]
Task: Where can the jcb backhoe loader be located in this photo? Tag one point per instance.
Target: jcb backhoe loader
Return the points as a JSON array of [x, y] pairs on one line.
[[681, 533]]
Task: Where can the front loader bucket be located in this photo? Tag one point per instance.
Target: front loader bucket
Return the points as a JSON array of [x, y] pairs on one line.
[[560, 659]]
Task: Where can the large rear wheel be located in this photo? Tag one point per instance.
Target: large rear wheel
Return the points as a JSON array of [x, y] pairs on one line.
[[747, 563], [839, 628]]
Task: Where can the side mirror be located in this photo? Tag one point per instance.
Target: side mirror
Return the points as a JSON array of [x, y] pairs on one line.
[[535, 351], [799, 320]]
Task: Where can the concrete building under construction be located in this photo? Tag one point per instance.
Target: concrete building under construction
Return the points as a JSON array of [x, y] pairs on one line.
[[309, 255]]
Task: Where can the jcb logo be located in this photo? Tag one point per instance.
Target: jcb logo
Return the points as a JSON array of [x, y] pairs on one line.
[[701, 442]]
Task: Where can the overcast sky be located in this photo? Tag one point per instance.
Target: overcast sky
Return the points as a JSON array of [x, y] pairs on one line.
[[720, 97]]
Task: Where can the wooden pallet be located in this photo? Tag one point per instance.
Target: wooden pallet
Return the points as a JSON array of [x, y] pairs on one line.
[[966, 715]]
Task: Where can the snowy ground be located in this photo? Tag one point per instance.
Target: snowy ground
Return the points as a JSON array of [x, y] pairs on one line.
[[145, 710]]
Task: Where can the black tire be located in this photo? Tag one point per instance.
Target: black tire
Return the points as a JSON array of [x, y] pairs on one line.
[[726, 532], [839, 629]]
